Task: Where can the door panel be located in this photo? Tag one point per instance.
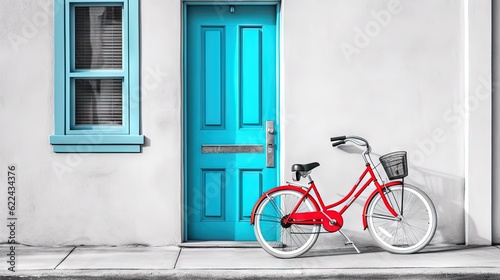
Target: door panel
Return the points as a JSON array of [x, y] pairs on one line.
[[230, 94]]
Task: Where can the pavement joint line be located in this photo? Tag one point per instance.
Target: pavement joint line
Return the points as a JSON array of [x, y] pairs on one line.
[[65, 258], [177, 259]]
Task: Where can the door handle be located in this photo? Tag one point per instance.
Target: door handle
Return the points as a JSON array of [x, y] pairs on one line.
[[270, 132]]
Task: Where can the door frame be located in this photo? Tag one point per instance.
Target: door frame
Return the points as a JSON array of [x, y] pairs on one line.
[[278, 141]]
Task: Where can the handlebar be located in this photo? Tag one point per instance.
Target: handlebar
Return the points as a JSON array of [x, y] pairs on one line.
[[338, 143], [338, 138], [360, 141]]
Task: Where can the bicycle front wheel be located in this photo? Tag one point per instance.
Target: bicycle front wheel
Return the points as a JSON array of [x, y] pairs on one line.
[[277, 238], [412, 230]]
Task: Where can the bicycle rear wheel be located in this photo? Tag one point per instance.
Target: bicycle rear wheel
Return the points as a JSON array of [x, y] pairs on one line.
[[412, 230], [279, 239]]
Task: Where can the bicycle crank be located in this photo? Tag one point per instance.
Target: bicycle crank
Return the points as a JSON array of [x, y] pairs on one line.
[[333, 221]]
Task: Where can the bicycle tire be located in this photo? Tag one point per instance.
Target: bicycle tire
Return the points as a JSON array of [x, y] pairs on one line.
[[284, 241], [416, 227]]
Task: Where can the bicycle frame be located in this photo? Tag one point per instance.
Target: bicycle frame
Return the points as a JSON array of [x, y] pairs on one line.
[[332, 220], [289, 218]]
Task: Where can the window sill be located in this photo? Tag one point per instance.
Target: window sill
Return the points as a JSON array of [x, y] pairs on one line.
[[97, 143]]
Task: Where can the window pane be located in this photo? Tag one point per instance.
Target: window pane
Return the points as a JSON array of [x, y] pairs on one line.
[[98, 102], [98, 37]]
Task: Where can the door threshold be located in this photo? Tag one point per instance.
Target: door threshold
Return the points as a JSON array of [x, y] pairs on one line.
[[220, 244]]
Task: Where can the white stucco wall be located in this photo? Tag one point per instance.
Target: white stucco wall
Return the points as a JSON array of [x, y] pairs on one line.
[[478, 152], [390, 71], [90, 198]]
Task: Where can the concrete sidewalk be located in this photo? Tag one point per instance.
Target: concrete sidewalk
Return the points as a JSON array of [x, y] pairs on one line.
[[247, 262]]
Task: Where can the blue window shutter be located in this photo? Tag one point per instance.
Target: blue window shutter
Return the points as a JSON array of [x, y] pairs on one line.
[[133, 65], [59, 68], [87, 122]]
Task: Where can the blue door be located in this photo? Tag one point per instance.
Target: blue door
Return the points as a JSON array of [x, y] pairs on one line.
[[230, 118]]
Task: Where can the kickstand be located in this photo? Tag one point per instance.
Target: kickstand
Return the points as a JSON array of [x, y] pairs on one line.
[[349, 242]]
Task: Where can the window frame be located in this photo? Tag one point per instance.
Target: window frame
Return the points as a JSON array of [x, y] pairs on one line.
[[67, 136]]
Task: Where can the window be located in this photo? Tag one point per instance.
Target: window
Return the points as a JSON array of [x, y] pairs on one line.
[[96, 85]]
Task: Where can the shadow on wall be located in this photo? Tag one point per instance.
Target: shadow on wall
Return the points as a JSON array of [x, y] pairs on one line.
[[447, 192], [474, 238]]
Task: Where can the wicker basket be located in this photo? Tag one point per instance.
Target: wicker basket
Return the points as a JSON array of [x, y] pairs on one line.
[[395, 165]]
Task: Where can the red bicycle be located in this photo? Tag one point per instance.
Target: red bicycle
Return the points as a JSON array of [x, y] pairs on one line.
[[400, 217]]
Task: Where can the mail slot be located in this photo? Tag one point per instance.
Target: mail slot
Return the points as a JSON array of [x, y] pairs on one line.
[[226, 149]]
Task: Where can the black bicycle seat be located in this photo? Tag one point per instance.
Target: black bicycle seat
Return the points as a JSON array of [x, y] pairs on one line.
[[305, 167]]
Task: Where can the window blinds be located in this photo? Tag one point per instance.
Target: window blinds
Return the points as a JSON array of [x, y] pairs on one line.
[[98, 102], [98, 37], [98, 45]]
